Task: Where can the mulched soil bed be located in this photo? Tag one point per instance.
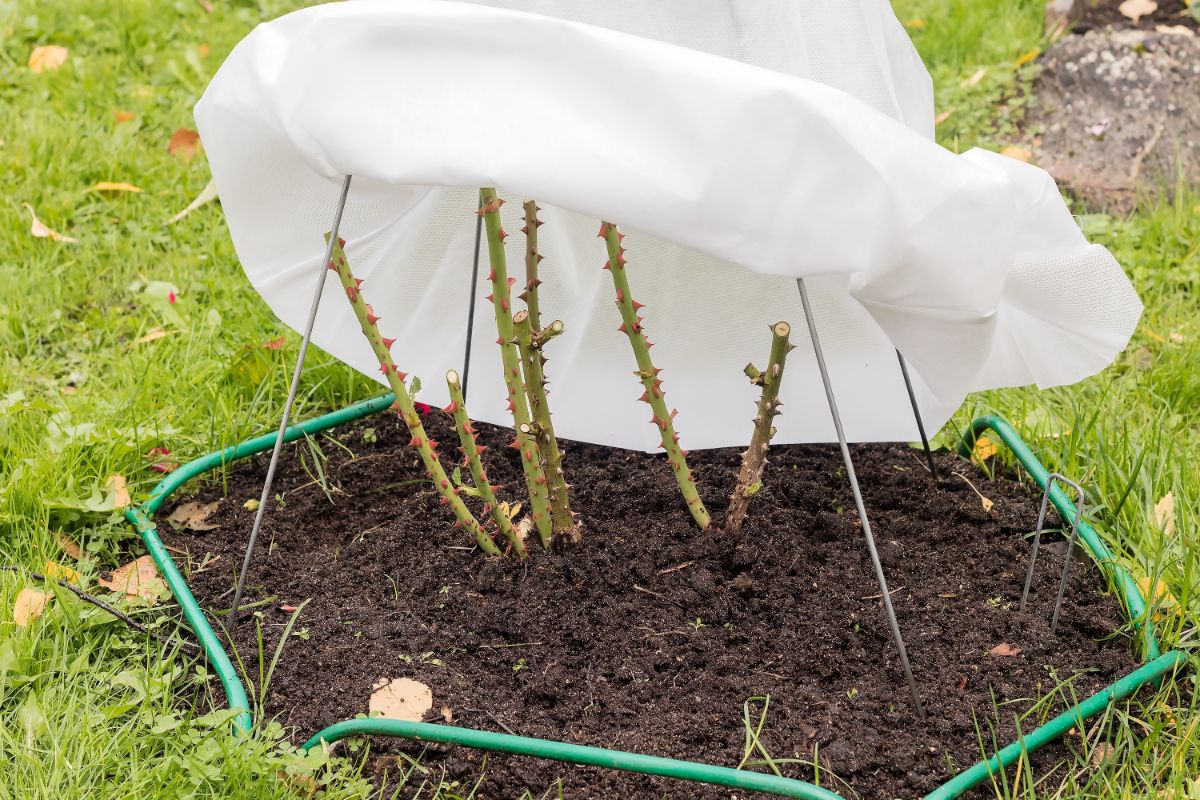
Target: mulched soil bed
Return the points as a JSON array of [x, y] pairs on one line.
[[1107, 12], [652, 635]]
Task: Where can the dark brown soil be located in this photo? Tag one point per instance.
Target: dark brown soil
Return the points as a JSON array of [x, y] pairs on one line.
[[1107, 12], [652, 635]]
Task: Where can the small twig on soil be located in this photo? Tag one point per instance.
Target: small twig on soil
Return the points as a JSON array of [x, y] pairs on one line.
[[98, 603], [513, 644], [879, 596], [675, 568], [492, 717]]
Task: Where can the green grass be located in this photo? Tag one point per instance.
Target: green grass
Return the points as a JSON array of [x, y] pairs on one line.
[[85, 703]]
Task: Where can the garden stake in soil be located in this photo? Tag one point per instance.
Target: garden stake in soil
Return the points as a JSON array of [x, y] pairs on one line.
[[1037, 538], [912, 399], [858, 501], [755, 458], [631, 326], [287, 405], [466, 372], [518, 402], [471, 457], [530, 343], [404, 403]]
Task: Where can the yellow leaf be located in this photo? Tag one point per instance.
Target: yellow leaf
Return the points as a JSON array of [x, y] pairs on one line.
[[1151, 334], [1164, 514], [138, 578], [153, 335], [60, 572], [40, 230], [1160, 599], [943, 116], [29, 606], [69, 546], [975, 78], [47, 58], [109, 186], [914, 23], [1019, 153], [402, 699], [124, 116], [1136, 9], [984, 449], [1026, 57], [120, 492]]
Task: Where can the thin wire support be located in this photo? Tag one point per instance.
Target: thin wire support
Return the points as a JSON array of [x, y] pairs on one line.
[[1037, 539], [858, 501], [912, 399], [466, 370], [287, 406]]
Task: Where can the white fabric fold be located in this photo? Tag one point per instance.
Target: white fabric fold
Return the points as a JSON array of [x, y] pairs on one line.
[[712, 141]]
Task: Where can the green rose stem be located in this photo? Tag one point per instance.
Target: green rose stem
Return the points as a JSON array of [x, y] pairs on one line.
[[404, 404], [749, 478], [631, 326], [518, 403], [529, 343], [532, 259], [471, 453]]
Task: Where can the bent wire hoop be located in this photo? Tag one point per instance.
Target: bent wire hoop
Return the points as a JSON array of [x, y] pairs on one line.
[[1037, 538], [1155, 668]]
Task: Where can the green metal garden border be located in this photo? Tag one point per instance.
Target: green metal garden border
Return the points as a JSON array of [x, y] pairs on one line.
[[1155, 667]]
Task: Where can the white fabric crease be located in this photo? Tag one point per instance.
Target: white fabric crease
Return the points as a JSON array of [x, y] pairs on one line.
[[739, 143]]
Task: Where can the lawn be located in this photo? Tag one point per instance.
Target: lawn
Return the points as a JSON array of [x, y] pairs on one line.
[[144, 334]]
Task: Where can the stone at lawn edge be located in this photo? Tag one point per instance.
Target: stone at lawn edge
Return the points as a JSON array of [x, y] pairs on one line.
[[1117, 111]]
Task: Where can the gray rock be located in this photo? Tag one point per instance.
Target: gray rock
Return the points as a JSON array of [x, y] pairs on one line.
[[1117, 111]]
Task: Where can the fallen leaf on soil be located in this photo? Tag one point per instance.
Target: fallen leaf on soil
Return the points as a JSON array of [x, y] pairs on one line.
[[984, 449], [60, 572], [138, 578], [29, 606], [207, 195], [447, 714], [68, 545], [193, 515], [46, 58], [1019, 153], [124, 116], [1164, 514], [1161, 598], [975, 78], [1136, 9], [115, 484], [110, 186], [303, 785], [1026, 57], [1101, 753], [288, 609], [1005, 649], [402, 698], [942, 116], [251, 504], [40, 230], [184, 143], [153, 335]]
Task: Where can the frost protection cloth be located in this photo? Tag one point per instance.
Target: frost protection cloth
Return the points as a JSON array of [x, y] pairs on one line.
[[730, 169]]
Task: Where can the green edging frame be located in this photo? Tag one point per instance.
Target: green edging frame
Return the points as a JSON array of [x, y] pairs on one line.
[[1155, 667]]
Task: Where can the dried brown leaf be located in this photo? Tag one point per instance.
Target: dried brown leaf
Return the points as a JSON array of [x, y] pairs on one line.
[[29, 605], [68, 545], [111, 186], [193, 515], [138, 578], [117, 487], [1019, 153], [1164, 514], [41, 230], [401, 698], [184, 143], [151, 336], [1136, 9], [1006, 650]]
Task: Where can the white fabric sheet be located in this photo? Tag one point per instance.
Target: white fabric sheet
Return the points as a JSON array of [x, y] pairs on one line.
[[739, 143]]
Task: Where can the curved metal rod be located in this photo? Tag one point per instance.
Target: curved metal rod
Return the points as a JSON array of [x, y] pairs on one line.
[[1037, 538]]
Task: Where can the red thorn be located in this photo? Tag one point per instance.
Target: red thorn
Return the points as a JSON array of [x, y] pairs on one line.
[[341, 242], [607, 266], [372, 319], [504, 303], [479, 448], [358, 283], [388, 342], [352, 293], [331, 266], [603, 230], [511, 281], [490, 298], [492, 274], [638, 306], [621, 328], [450, 409], [499, 340], [515, 444], [645, 398], [415, 441], [402, 375], [502, 235], [620, 295], [384, 368], [511, 406]]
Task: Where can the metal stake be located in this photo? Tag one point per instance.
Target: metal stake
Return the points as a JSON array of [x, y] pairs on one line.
[[287, 406], [858, 501], [466, 370], [912, 398], [1037, 538]]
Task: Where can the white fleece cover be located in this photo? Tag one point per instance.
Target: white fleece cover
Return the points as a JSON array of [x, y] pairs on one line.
[[739, 144]]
